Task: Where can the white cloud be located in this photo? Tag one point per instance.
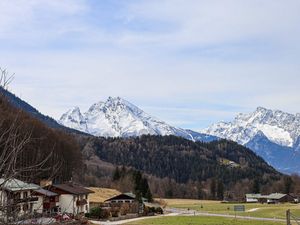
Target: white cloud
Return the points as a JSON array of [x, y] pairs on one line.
[[154, 53]]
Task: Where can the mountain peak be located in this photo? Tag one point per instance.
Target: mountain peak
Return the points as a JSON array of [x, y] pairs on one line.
[[117, 117], [280, 127]]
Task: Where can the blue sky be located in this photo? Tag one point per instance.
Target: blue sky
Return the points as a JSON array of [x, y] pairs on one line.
[[188, 62]]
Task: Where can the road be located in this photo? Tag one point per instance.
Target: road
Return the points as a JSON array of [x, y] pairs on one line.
[[179, 212]]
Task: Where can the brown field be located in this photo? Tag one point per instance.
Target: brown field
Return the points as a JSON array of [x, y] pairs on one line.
[[102, 194]]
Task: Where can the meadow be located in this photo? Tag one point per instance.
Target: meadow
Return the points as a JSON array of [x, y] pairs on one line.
[[198, 220], [252, 209]]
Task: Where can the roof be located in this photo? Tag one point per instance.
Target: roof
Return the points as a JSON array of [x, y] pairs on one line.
[[17, 185], [274, 196], [127, 195], [71, 188], [253, 195], [45, 192]]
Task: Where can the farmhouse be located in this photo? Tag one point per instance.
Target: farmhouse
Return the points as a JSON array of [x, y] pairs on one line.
[[124, 198], [17, 199], [270, 199], [73, 198]]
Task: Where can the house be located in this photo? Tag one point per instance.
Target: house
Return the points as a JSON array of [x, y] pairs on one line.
[[48, 200], [73, 198], [273, 198], [252, 198], [279, 198], [16, 198], [124, 198]]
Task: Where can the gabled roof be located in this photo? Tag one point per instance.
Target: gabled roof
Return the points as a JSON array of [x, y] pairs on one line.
[[276, 196], [71, 188], [17, 185], [253, 195], [124, 196], [273, 196]]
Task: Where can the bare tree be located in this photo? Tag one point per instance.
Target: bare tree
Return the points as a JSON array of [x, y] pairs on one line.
[[13, 143]]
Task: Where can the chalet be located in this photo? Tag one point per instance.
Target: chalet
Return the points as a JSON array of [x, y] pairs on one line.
[[124, 198], [48, 200], [273, 198], [16, 198], [73, 198]]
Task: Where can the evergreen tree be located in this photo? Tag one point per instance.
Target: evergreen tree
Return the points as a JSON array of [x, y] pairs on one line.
[[287, 184], [213, 188], [116, 174], [220, 190], [256, 186]]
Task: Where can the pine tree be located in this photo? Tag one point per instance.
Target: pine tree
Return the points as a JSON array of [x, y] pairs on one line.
[[220, 190], [116, 174], [256, 187], [213, 188], [287, 184]]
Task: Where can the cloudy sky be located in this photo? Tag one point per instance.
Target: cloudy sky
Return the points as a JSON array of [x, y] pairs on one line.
[[189, 62]]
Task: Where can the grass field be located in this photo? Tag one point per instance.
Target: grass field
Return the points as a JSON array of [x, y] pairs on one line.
[[253, 210], [182, 220]]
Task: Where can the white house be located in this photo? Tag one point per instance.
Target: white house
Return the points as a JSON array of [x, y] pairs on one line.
[[73, 198], [16, 198]]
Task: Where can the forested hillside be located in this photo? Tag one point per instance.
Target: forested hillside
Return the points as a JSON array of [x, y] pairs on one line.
[[40, 152], [176, 161]]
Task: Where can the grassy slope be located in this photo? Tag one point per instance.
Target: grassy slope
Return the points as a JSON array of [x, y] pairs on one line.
[[263, 210], [102, 194], [181, 220]]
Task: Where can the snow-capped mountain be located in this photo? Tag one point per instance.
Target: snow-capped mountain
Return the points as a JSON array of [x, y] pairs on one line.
[[272, 134], [117, 117]]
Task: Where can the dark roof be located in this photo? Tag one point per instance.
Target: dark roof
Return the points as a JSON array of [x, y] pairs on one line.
[[124, 196], [71, 188]]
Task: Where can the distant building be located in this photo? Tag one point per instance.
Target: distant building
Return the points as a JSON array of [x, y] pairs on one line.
[[124, 198], [73, 198], [270, 199]]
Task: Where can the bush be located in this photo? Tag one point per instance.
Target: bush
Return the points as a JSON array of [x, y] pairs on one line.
[[159, 210], [95, 212]]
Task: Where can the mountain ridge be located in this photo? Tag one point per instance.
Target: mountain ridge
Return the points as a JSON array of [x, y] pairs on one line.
[[273, 134], [117, 117]]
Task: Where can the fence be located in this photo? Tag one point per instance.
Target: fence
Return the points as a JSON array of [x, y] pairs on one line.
[[292, 219]]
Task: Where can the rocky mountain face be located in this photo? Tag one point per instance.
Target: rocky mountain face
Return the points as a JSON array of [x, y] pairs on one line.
[[117, 117], [272, 134]]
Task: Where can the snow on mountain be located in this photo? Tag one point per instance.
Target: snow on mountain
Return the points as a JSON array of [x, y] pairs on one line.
[[272, 134], [279, 127], [119, 118]]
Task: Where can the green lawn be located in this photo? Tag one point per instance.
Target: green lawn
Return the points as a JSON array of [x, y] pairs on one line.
[[182, 220], [263, 210]]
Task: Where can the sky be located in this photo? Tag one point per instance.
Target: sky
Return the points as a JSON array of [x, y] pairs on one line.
[[188, 62]]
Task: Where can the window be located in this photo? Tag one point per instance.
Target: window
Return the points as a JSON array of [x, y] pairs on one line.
[[25, 207], [25, 194], [17, 196]]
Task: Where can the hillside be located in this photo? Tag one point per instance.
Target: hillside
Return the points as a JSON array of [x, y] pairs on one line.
[[59, 152], [184, 161]]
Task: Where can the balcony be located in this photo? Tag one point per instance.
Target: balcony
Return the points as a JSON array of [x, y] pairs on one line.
[[81, 202]]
